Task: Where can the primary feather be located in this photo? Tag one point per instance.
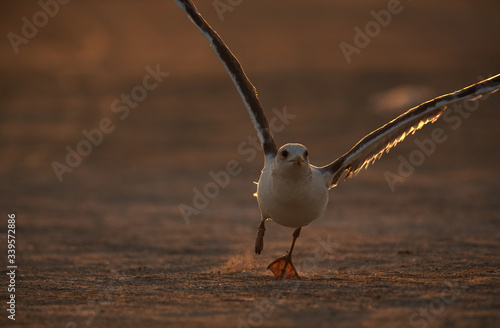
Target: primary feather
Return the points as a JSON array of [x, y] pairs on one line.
[[373, 146]]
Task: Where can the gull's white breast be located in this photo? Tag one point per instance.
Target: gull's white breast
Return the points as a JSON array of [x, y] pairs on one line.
[[291, 202]]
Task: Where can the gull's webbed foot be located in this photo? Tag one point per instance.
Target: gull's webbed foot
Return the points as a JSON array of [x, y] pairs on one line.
[[283, 267]]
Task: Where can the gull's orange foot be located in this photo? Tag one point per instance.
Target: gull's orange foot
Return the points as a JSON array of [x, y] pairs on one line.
[[283, 267]]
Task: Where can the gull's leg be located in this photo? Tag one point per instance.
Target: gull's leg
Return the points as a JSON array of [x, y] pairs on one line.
[[259, 242], [283, 267]]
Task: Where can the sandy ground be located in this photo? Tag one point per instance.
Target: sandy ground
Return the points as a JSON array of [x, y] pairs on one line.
[[108, 246]]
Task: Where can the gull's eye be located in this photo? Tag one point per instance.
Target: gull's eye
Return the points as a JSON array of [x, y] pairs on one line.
[[284, 153], [306, 153]]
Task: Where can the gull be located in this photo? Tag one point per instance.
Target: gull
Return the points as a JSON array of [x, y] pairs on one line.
[[291, 191]]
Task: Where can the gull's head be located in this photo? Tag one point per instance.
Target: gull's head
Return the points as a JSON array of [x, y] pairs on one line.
[[292, 155]]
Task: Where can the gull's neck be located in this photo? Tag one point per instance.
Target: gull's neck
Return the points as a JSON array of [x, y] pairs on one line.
[[290, 171]]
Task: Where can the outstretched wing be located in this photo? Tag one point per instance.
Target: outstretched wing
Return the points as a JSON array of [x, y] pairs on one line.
[[372, 146], [241, 81]]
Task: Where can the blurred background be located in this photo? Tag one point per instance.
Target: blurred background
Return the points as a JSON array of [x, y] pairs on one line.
[[123, 198], [66, 77]]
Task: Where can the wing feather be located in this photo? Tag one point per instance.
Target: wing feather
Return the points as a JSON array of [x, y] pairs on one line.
[[246, 89], [373, 146]]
